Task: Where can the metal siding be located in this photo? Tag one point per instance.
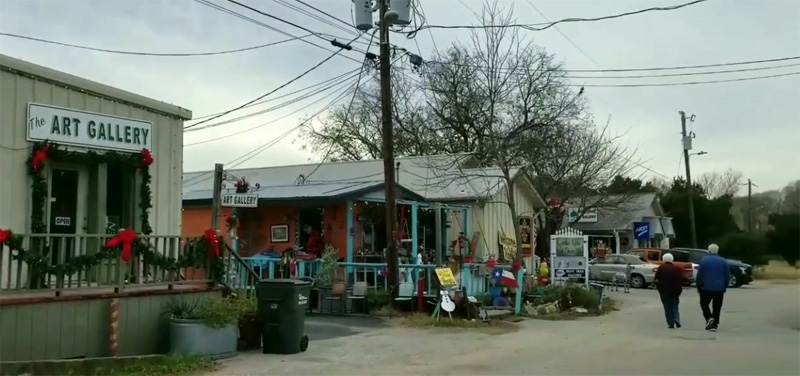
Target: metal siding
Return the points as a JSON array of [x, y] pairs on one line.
[[493, 217], [17, 91]]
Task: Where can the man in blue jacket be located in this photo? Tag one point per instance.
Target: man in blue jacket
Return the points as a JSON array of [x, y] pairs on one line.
[[712, 282]]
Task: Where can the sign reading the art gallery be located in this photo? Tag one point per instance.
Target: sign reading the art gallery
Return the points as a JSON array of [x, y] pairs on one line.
[[240, 200], [88, 129]]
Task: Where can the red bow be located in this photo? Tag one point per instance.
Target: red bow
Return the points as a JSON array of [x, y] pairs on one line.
[[211, 237], [125, 239], [491, 264], [516, 266], [40, 157], [147, 158], [5, 235]]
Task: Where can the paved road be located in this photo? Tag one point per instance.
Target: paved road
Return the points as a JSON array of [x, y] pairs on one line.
[[759, 335]]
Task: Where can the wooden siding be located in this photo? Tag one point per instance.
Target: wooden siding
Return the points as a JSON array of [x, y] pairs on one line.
[[80, 328]]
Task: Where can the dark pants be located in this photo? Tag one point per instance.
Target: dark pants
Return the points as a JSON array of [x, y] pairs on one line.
[[715, 298], [671, 311]]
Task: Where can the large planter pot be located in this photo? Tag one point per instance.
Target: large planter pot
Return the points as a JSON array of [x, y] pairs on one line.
[[250, 328], [192, 337]]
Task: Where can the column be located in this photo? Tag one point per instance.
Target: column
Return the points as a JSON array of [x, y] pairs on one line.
[[351, 233], [414, 225]]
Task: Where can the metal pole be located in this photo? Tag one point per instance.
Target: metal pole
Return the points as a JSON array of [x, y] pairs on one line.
[[749, 205], [392, 261], [216, 200], [689, 186], [438, 235]]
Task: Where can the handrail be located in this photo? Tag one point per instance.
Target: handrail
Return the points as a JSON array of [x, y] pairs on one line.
[[242, 262]]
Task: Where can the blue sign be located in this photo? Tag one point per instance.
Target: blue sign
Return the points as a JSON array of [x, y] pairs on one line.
[[641, 231]]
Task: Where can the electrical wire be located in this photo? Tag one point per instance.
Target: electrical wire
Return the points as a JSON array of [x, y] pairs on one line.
[[269, 92], [287, 94], [347, 113], [684, 67], [692, 73], [563, 35], [304, 12], [326, 13], [140, 53], [547, 25], [261, 125], [695, 82], [276, 18], [273, 108], [259, 23]]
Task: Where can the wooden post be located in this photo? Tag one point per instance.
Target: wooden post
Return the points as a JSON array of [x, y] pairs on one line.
[[114, 327]]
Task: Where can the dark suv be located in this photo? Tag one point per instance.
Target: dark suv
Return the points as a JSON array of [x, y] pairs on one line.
[[741, 273]]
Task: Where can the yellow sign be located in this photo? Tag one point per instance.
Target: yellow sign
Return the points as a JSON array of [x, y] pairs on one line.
[[446, 278]]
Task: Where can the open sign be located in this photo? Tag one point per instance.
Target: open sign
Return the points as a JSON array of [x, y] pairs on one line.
[[63, 221]]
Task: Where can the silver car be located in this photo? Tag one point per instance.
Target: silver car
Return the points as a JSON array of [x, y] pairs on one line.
[[642, 275]]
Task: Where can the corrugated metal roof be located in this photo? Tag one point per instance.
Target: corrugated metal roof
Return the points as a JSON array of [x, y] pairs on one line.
[[297, 192], [632, 210], [432, 177]]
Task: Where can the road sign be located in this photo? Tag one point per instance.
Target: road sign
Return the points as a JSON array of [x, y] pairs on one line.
[[240, 200]]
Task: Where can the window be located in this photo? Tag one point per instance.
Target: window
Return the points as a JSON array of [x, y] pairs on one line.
[[653, 256], [679, 256], [629, 259]]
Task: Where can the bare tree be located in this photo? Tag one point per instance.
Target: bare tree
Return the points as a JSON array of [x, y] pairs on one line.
[[719, 184]]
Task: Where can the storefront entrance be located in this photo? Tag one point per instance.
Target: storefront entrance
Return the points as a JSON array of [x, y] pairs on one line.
[[66, 208]]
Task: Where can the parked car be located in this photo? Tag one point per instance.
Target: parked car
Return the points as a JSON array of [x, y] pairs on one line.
[[681, 259], [642, 275], [741, 273]]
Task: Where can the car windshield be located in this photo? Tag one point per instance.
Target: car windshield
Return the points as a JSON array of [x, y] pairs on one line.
[[695, 255]]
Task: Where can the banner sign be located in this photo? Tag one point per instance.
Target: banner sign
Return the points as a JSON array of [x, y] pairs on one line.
[[641, 231]]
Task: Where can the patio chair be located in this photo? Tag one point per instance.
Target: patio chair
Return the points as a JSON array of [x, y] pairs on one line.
[[405, 293], [338, 293], [359, 294]]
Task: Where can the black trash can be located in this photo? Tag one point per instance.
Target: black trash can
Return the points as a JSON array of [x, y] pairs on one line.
[[282, 305]]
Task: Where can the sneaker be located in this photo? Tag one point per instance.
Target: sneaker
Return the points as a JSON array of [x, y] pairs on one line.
[[671, 327], [710, 324], [713, 329], [677, 325]]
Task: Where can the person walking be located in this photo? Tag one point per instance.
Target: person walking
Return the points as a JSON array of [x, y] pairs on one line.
[[669, 280], [713, 275]]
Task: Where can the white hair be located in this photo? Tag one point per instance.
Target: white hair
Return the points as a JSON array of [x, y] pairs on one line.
[[713, 248], [668, 257]]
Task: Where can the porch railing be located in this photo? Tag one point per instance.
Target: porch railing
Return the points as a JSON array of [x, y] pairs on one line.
[[62, 262], [474, 277]]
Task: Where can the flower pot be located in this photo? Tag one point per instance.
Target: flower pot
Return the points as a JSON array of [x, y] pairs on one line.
[[250, 328], [192, 337]]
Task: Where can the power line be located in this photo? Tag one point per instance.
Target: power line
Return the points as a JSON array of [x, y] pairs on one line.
[[273, 108], [695, 82], [140, 53], [547, 25], [287, 94], [325, 13], [259, 23], [271, 91], [684, 67], [349, 29], [693, 73], [564, 35], [276, 18], [260, 125]]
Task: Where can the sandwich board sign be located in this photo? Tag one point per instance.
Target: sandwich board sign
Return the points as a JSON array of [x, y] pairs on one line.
[[240, 200]]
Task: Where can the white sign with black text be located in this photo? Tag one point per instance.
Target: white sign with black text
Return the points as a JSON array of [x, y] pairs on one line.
[[88, 129], [240, 200]]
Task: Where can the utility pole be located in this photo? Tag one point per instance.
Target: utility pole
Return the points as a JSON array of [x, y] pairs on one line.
[[216, 200], [392, 261], [750, 205], [686, 141]]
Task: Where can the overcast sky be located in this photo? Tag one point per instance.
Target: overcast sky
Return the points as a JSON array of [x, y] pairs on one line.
[[752, 126]]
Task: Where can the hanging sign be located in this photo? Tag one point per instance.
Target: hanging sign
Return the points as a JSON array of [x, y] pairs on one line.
[[240, 200], [88, 129], [641, 231]]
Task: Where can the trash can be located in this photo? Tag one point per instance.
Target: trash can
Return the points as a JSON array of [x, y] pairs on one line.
[[282, 305]]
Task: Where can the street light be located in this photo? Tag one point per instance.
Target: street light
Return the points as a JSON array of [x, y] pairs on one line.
[[699, 153]]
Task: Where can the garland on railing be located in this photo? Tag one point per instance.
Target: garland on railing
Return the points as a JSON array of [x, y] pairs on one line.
[[194, 255]]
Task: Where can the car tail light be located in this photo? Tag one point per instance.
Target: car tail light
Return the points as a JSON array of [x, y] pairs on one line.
[[655, 269]]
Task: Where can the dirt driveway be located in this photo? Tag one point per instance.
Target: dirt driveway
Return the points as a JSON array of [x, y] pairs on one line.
[[759, 335]]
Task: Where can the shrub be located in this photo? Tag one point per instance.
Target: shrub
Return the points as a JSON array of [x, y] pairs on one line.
[[573, 296], [377, 299], [746, 247], [215, 312]]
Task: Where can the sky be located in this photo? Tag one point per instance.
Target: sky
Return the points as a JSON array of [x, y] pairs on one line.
[[751, 126]]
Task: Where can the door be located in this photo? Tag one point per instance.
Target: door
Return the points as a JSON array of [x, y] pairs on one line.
[[66, 210]]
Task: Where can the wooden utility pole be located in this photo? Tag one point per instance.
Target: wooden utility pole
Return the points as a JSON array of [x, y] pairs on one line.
[[392, 261], [689, 186], [750, 205], [216, 200]]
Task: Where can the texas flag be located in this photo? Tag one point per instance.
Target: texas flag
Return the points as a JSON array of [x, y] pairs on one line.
[[505, 278]]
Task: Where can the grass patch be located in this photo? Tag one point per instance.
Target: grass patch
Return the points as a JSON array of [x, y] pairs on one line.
[[609, 305], [778, 271], [156, 366], [425, 321]]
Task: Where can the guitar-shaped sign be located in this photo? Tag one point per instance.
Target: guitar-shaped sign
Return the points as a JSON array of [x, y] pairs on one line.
[[447, 304]]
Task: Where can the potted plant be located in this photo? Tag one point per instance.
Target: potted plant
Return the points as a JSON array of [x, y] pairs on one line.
[[206, 326], [326, 278], [250, 324]]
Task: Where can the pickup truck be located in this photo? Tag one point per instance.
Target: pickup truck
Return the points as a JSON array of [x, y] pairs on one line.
[[741, 273]]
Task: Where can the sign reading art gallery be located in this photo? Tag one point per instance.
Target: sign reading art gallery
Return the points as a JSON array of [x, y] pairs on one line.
[[88, 129]]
